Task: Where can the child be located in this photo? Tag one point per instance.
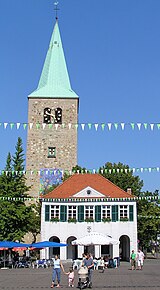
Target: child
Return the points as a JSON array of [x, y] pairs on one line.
[[102, 264], [70, 278]]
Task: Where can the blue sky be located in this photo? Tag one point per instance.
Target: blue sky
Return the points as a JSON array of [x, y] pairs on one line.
[[112, 48]]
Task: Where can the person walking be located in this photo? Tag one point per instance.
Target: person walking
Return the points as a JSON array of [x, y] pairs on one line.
[[133, 260], [56, 271], [88, 262], [140, 259]]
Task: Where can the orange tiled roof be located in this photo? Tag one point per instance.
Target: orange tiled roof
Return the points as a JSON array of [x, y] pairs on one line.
[[78, 182]]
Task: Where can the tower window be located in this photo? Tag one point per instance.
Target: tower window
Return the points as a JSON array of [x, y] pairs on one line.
[[51, 152], [58, 116], [47, 116]]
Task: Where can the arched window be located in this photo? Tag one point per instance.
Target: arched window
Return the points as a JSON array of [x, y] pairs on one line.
[[58, 116]]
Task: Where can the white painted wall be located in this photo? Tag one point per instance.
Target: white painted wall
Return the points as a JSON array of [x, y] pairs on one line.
[[63, 230]]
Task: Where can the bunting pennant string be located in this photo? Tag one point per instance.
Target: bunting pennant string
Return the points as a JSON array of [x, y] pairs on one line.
[[42, 198], [83, 126], [92, 171]]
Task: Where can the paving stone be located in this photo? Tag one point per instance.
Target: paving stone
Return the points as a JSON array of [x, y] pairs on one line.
[[120, 278]]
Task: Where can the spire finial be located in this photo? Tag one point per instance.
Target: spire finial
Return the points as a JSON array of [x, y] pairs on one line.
[[56, 9]]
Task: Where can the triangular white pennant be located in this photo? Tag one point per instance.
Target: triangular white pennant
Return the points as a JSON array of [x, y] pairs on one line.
[[152, 126], [78, 171], [39, 172], [69, 125], [70, 172], [83, 126], [139, 126], [31, 172], [43, 125], [94, 171], [142, 169], [149, 169], [6, 172], [110, 171], [133, 169], [96, 126], [102, 171], [157, 169], [109, 126], [5, 125], [126, 170], [30, 126], [18, 125], [122, 125], [117, 170]]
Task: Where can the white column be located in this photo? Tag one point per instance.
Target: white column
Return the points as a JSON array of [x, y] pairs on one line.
[[115, 250], [63, 253], [97, 250], [80, 251]]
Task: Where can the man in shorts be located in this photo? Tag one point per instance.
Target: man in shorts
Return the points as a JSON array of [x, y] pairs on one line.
[[140, 259]]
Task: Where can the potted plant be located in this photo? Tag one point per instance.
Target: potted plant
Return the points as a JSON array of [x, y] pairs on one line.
[[107, 219], [72, 220], [89, 220], [54, 219], [124, 219]]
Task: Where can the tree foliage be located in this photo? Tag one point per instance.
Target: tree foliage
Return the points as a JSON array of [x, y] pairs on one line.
[[16, 218], [148, 218], [120, 177]]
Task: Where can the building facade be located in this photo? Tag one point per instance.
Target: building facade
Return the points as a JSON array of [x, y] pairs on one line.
[[88, 203], [52, 118]]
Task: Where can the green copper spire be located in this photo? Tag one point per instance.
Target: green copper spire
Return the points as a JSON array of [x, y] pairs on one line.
[[54, 81]]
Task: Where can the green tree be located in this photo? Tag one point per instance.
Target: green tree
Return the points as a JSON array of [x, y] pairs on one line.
[[148, 218], [16, 218], [122, 176]]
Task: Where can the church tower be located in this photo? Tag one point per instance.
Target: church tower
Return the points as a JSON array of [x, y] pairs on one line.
[[52, 118]]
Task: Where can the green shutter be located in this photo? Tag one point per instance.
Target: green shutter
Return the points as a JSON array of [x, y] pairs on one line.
[[46, 213], [131, 213], [114, 213], [98, 213], [81, 213], [63, 213]]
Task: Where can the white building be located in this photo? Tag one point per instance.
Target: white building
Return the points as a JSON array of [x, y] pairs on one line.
[[89, 203]]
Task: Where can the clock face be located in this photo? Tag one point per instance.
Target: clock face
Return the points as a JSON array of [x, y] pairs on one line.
[[47, 116], [52, 116], [58, 116]]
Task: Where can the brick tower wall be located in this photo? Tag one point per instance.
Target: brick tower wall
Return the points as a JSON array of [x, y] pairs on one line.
[[39, 139]]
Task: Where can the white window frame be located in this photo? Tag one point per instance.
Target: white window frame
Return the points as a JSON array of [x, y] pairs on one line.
[[72, 212], [54, 209], [90, 209], [123, 211], [106, 211]]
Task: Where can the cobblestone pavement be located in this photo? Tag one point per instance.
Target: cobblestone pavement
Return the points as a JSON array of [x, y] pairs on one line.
[[121, 278]]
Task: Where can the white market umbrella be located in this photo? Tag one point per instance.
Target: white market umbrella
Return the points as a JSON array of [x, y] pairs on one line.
[[95, 238]]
